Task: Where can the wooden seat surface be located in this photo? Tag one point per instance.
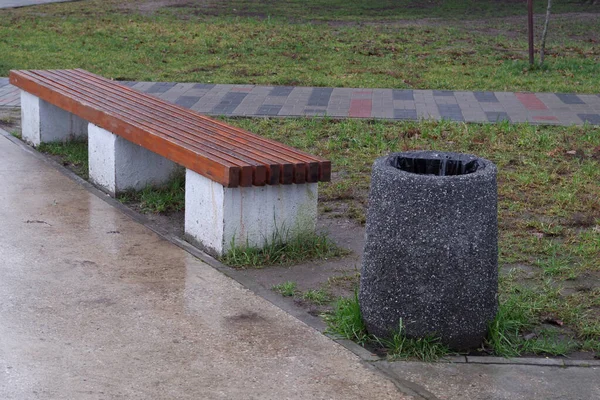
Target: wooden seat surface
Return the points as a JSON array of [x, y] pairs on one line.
[[228, 155]]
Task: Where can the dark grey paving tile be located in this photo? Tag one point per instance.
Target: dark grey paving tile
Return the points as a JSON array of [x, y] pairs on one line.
[[593, 119], [319, 97], [281, 91], [451, 112], [447, 93], [497, 116], [403, 94], [128, 83], [203, 86], [187, 101], [486, 97], [229, 103], [569, 98], [314, 111], [268, 110], [405, 114], [161, 87]]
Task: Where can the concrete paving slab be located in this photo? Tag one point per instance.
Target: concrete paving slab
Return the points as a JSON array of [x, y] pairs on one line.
[[466, 381], [95, 306]]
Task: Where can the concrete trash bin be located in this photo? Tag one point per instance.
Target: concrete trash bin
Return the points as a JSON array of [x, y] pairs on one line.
[[431, 251]]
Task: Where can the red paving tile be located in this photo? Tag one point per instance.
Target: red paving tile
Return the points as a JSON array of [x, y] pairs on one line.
[[360, 108], [530, 101]]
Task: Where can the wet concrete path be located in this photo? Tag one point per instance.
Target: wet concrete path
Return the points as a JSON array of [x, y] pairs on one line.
[[95, 306]]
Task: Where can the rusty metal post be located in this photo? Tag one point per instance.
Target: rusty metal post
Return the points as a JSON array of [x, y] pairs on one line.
[[530, 24]]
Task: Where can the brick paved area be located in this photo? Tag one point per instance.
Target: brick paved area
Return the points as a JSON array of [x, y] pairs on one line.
[[392, 104]]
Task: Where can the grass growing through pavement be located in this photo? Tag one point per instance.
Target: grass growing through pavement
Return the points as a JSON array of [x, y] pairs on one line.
[[286, 289], [357, 44], [283, 250], [73, 154], [166, 199]]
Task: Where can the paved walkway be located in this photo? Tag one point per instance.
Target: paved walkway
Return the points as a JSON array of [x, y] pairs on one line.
[[392, 104], [25, 3], [94, 305]]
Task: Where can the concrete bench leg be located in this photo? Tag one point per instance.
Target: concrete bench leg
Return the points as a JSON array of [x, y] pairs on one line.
[[116, 164], [216, 216], [43, 122]]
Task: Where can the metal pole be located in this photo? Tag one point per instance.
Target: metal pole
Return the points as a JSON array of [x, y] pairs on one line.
[[530, 23]]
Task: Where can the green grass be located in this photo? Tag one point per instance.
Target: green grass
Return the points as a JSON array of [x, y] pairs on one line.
[[73, 154], [283, 249], [353, 44], [549, 211], [166, 199], [286, 289], [346, 321], [317, 296]]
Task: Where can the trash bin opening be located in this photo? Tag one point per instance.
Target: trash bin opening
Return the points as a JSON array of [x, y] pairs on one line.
[[442, 165]]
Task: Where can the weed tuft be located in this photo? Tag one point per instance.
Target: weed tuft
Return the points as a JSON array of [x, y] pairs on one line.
[[286, 289], [283, 249]]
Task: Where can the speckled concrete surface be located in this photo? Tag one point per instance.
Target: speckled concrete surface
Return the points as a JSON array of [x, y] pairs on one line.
[[96, 306]]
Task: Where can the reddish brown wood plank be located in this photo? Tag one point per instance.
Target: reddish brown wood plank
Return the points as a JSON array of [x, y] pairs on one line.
[[258, 160], [221, 171]]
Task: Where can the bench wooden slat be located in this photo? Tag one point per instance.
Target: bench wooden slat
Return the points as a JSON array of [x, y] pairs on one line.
[[198, 134], [219, 170], [295, 167], [142, 118], [228, 155], [319, 169], [273, 147]]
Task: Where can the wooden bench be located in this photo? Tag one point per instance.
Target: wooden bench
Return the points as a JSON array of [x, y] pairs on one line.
[[240, 187]]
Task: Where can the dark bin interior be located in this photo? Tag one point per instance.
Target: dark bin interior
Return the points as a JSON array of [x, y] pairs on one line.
[[437, 164]]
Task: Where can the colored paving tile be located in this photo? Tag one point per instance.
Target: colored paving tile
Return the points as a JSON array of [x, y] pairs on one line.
[[319, 97], [451, 112], [360, 108], [497, 116], [268, 110], [314, 111], [229, 103], [281, 91], [187, 101], [405, 114], [128, 83], [593, 119], [161, 87], [486, 97], [403, 94], [530, 101], [207, 86], [569, 98], [545, 118], [445, 93]]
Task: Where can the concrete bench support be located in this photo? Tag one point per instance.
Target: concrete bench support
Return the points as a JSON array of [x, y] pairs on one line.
[[116, 164], [43, 122], [217, 216]]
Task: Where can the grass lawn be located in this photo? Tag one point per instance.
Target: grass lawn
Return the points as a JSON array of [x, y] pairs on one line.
[[549, 212], [454, 44]]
